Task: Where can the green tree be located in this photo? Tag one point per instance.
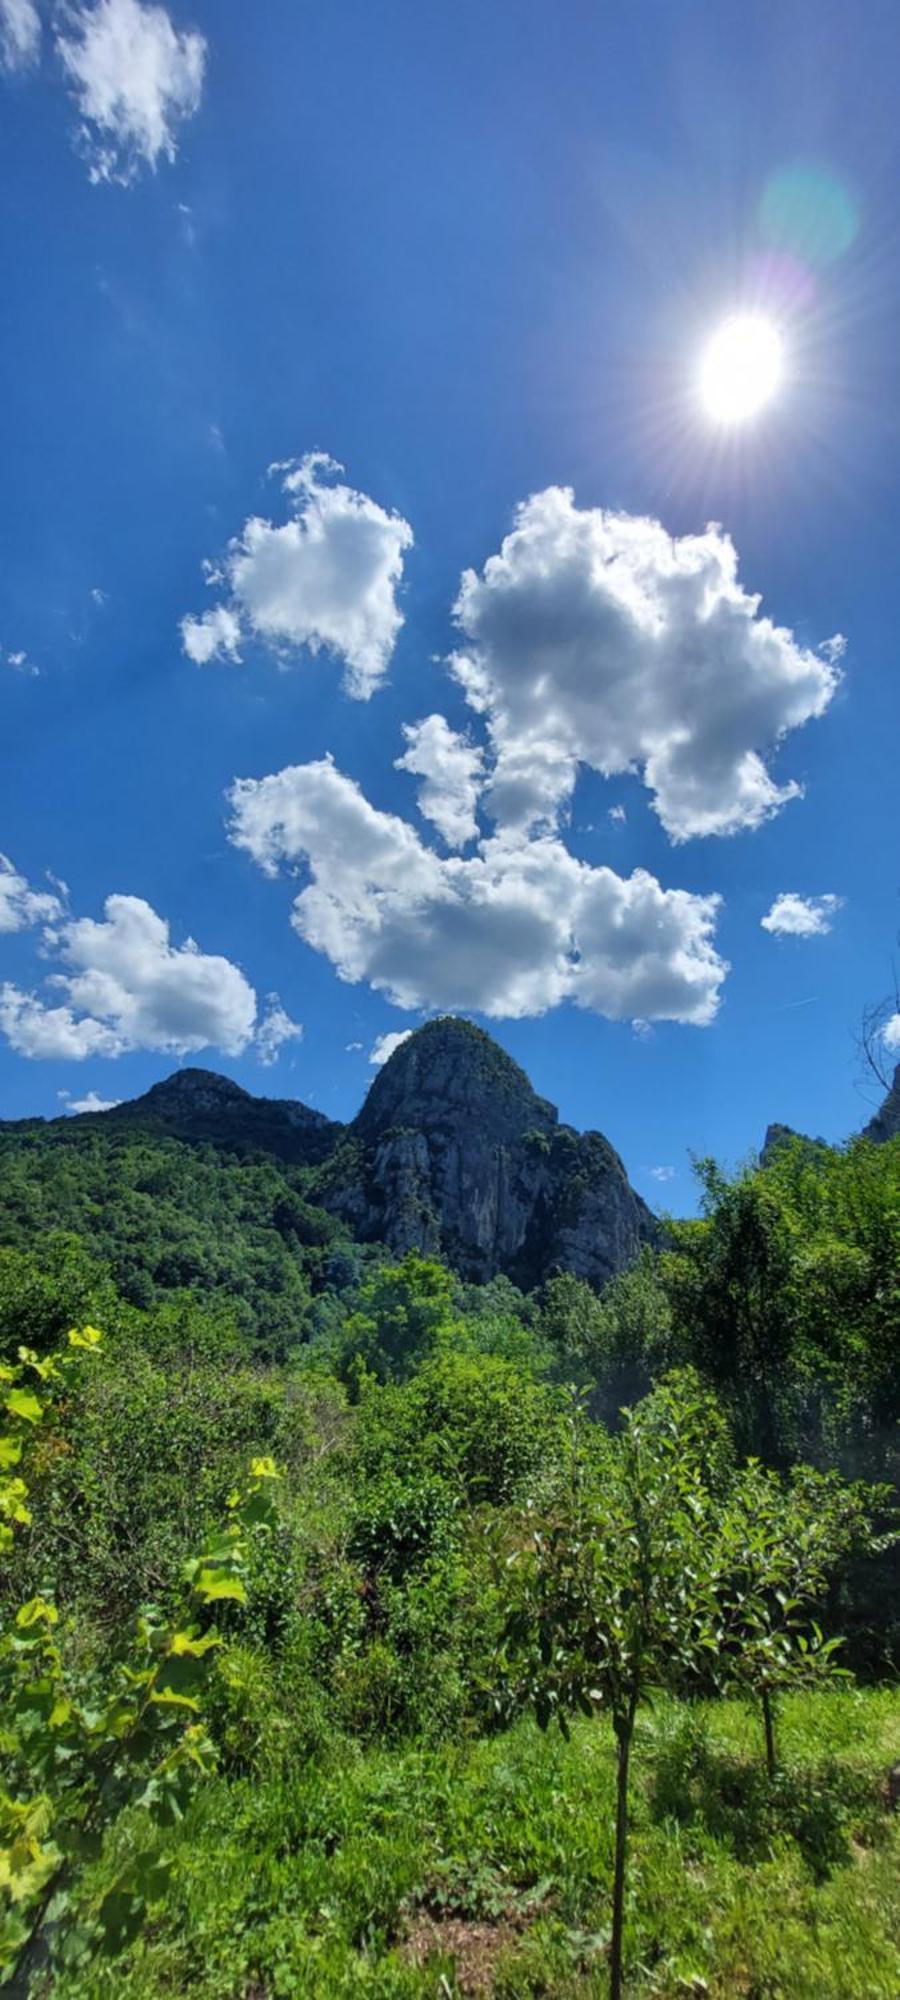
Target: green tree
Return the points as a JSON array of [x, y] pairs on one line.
[[728, 1288], [614, 1595], [779, 1544], [402, 1311], [786, 1294], [616, 1342]]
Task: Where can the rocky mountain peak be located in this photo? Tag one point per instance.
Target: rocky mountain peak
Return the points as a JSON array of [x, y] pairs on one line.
[[458, 1156], [449, 1073]]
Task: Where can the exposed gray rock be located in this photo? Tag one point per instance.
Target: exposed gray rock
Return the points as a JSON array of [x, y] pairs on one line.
[[455, 1153]]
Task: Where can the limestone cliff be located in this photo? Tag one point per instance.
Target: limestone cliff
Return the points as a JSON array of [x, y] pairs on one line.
[[454, 1153]]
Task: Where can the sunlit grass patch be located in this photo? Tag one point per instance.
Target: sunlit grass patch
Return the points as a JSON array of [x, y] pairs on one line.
[[387, 1872]]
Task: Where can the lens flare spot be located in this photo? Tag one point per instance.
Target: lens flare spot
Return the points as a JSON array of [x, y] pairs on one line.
[[741, 368], [809, 213]]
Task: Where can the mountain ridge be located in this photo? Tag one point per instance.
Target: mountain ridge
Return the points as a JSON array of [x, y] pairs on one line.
[[452, 1153]]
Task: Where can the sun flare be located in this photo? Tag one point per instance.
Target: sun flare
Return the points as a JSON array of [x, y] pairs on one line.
[[741, 368]]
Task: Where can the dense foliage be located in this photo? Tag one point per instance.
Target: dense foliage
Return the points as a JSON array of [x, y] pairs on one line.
[[463, 1530], [165, 1216]]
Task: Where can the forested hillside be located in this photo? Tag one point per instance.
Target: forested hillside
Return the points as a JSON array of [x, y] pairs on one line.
[[164, 1215]]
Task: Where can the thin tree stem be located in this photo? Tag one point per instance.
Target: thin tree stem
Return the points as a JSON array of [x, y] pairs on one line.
[[624, 1728], [769, 1726]]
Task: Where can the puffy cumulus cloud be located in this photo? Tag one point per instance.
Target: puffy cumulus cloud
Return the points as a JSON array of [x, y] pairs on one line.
[[126, 986], [325, 579], [125, 970], [509, 931], [215, 635], [453, 773], [35, 1029], [20, 34], [135, 78], [600, 638], [801, 916], [890, 1033], [385, 1045], [275, 1028], [21, 906]]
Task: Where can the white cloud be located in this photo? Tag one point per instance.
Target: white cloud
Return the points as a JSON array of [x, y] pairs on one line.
[[325, 579], [127, 987], [352, 1048], [215, 635], [384, 1047], [890, 1033], [662, 1173], [510, 931], [135, 78], [21, 664], [20, 34], [53, 1033], [599, 638], [275, 1028], [77, 1106], [453, 770], [801, 916], [21, 906], [590, 638]]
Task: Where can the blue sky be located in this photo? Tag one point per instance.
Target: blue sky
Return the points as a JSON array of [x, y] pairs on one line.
[[473, 255]]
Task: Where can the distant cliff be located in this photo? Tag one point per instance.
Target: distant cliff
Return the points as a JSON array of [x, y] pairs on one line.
[[454, 1152], [883, 1126]]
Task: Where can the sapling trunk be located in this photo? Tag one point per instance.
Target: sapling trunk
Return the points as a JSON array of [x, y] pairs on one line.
[[624, 1728], [769, 1726]]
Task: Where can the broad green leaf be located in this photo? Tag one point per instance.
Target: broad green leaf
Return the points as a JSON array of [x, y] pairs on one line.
[[186, 1643], [36, 1612], [21, 1403], [85, 1336], [213, 1584]]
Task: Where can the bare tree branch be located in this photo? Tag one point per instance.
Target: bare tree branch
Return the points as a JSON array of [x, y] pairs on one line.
[[877, 1058]]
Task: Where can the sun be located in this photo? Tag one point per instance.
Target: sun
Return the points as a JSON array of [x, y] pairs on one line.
[[741, 368]]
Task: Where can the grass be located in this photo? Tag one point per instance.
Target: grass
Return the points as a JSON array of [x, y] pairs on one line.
[[485, 1868]]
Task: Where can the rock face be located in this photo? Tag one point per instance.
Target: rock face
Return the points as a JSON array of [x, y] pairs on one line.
[[454, 1153], [886, 1122], [885, 1125], [779, 1136]]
